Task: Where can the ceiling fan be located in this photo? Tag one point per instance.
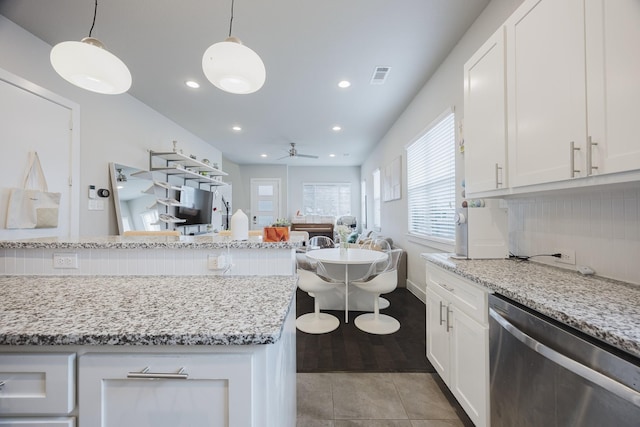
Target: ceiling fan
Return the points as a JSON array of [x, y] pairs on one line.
[[294, 153]]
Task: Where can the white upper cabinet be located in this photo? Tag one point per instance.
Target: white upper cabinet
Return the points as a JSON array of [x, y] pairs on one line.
[[485, 130], [546, 91], [613, 85]]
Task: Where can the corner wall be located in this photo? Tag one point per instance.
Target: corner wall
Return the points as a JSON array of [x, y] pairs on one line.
[[443, 90], [113, 128]]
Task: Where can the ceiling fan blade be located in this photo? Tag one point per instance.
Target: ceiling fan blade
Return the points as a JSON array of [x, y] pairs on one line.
[[284, 157], [307, 156]]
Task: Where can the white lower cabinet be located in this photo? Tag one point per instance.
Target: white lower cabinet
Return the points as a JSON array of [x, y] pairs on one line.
[[165, 390], [458, 339], [38, 386]]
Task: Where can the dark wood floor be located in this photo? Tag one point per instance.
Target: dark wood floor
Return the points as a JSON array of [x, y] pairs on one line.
[[348, 349]]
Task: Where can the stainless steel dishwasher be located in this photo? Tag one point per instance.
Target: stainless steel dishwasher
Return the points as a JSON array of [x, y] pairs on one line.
[[543, 373]]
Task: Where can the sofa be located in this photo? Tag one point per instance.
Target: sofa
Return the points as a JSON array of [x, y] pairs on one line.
[[367, 235]]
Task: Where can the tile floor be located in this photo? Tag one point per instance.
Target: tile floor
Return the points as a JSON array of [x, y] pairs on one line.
[[373, 400]]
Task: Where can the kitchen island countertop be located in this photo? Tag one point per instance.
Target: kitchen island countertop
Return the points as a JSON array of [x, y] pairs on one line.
[[145, 242], [143, 310], [606, 309]]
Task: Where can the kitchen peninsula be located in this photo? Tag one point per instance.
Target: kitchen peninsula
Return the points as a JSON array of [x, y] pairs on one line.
[[146, 349]]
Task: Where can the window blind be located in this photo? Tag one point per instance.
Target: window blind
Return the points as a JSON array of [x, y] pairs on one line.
[[431, 182], [326, 199], [376, 199]]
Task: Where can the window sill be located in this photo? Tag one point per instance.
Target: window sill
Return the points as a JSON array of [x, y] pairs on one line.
[[432, 243]]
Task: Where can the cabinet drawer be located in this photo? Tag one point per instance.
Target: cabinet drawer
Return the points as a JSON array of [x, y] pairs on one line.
[[158, 390], [37, 383], [465, 295], [37, 422]]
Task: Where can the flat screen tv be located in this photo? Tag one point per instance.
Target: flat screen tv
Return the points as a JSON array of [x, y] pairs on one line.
[[196, 206]]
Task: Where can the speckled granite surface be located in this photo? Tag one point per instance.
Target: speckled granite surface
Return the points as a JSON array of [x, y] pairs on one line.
[[144, 242], [137, 310], [606, 309]]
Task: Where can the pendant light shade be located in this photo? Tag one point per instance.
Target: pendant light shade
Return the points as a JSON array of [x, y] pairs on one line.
[[233, 67], [87, 64]]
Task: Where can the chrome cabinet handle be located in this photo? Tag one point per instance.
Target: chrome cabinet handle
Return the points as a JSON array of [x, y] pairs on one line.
[[145, 374], [577, 368], [449, 311], [448, 288], [572, 159], [2, 384], [441, 319], [498, 180], [590, 145]]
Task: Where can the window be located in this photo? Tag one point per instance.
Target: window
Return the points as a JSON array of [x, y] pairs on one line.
[[431, 181], [363, 203], [376, 199], [326, 199]]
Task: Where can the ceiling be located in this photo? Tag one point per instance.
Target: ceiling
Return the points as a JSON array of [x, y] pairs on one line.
[[307, 46]]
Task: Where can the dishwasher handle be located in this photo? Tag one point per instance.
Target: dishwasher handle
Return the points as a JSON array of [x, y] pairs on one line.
[[595, 377]]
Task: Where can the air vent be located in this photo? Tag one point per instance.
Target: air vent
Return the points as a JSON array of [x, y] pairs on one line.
[[380, 75]]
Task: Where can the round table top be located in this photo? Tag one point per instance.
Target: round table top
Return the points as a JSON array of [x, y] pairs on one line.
[[352, 256]]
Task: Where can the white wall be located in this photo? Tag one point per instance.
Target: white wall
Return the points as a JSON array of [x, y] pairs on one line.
[[443, 90], [113, 128]]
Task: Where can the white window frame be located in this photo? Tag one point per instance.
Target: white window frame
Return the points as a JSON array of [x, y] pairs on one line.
[[348, 184], [419, 230], [377, 226]]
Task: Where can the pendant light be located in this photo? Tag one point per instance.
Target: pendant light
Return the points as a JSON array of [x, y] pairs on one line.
[[87, 64], [232, 66]]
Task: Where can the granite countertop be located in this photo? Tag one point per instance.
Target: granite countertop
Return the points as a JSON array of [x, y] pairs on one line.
[[144, 242], [605, 309], [143, 310]]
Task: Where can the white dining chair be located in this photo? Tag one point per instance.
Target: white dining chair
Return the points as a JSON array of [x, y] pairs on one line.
[[313, 284], [320, 242], [379, 282]]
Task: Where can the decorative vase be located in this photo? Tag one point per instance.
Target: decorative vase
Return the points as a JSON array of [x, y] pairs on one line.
[[239, 226], [344, 248]]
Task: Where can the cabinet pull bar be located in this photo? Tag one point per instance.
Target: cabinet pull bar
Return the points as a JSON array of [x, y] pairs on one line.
[[590, 145], [449, 327], [498, 179], [145, 374], [572, 160], [2, 382], [441, 320]]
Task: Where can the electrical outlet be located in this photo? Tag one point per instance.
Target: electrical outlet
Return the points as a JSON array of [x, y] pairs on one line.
[[65, 261], [568, 256]]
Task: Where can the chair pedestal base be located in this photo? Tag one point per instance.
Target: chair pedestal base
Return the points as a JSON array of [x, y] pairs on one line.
[[320, 323], [380, 324]]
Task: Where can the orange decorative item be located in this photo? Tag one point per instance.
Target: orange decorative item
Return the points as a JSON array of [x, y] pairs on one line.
[[276, 234]]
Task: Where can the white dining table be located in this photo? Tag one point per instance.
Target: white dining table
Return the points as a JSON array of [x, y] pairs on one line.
[[347, 259]]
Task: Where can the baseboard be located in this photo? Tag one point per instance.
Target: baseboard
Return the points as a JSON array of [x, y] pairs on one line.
[[417, 291]]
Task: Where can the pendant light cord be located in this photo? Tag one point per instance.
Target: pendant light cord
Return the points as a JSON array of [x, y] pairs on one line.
[[95, 12], [230, 21]]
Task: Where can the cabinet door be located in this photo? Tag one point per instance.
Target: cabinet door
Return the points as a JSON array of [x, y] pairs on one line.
[[437, 334], [470, 366], [216, 392], [485, 132], [613, 67], [546, 91]]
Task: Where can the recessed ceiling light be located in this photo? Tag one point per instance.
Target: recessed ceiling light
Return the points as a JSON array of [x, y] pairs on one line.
[[236, 128], [263, 155], [344, 84], [192, 84], [332, 155], [336, 128]]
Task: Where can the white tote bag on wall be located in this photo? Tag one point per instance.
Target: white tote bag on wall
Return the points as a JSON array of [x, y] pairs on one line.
[[33, 206]]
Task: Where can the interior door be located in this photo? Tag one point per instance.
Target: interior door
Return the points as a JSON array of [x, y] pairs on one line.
[[34, 119], [265, 202]]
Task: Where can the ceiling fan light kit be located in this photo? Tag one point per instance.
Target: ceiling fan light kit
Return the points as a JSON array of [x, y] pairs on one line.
[[88, 65]]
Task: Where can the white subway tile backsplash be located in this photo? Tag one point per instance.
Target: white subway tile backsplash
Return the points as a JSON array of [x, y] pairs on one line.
[[602, 226]]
